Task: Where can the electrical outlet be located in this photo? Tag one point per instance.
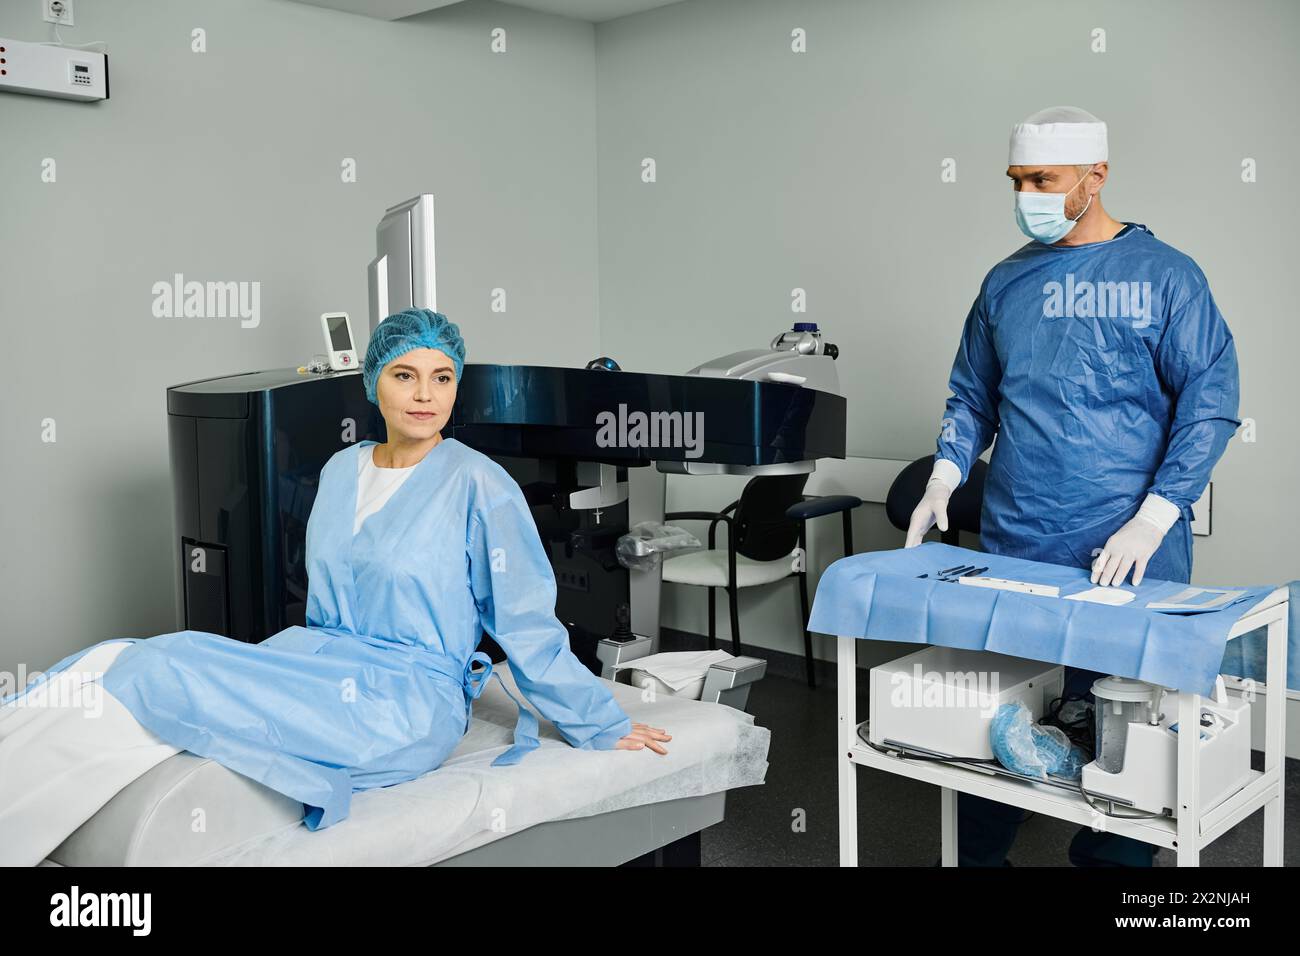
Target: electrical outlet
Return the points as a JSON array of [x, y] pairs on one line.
[[57, 11]]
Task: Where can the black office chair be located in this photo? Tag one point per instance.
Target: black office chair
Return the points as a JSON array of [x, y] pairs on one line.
[[816, 506], [764, 536], [963, 507]]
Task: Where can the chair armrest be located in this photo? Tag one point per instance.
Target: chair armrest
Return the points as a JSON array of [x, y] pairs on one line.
[[698, 516], [713, 517], [816, 507]]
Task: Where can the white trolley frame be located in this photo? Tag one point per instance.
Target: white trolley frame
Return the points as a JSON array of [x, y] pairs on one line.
[[1194, 827]]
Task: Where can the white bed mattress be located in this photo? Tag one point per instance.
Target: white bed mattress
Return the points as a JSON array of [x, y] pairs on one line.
[[192, 811]]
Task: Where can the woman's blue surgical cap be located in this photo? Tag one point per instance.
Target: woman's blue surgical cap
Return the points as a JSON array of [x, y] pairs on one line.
[[403, 331]]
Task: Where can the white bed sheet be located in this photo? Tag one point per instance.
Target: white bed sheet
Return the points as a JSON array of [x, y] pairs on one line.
[[466, 803]]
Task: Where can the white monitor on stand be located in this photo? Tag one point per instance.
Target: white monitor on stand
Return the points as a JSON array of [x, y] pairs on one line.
[[402, 275]]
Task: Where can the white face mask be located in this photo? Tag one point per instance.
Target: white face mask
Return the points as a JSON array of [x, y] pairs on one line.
[[1041, 216]]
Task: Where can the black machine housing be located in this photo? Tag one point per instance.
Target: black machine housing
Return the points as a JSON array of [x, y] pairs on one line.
[[247, 450]]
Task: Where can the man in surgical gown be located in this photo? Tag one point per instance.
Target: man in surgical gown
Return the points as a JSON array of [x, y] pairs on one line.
[[376, 689], [1097, 357]]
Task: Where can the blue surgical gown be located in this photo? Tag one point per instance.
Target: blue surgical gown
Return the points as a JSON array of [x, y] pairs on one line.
[[376, 689], [1106, 373]]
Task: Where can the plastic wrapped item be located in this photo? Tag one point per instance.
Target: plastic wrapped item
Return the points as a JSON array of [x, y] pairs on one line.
[[1026, 748], [1074, 714], [1075, 710], [645, 546]]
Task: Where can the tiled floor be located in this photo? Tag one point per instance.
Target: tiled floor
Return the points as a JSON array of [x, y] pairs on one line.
[[792, 819]]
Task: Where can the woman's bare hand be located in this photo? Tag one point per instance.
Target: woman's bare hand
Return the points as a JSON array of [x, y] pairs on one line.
[[643, 736]]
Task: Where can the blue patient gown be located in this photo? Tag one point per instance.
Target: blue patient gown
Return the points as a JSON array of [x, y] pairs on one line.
[[376, 689], [1106, 372]]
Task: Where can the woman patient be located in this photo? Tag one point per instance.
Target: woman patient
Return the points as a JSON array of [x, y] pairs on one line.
[[414, 548]]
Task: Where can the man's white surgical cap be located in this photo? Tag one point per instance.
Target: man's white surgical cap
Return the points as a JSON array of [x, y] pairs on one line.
[[1058, 136]]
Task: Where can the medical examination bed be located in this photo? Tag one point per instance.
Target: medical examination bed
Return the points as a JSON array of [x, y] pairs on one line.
[[559, 806]]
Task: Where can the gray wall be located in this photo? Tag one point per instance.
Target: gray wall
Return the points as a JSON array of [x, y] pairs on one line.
[[821, 170], [226, 166]]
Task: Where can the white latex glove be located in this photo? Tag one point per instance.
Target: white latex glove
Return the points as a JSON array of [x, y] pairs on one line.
[[1131, 547], [933, 507]]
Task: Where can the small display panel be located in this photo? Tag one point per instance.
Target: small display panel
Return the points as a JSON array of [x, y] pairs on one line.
[[339, 338]]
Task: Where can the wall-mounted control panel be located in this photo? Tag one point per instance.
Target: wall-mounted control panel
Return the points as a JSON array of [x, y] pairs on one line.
[[45, 70]]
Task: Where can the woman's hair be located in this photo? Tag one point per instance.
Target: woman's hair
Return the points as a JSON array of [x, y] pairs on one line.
[[404, 331]]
